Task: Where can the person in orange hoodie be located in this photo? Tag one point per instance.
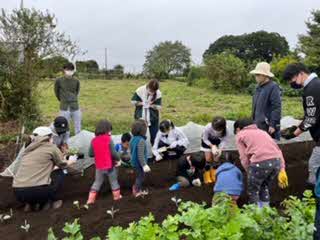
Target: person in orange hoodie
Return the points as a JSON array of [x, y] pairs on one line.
[[106, 159], [261, 158]]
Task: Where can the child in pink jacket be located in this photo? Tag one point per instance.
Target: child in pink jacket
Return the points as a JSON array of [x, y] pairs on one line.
[[261, 158]]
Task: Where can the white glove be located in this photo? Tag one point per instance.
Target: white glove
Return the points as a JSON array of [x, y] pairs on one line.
[[158, 157], [196, 182], [173, 145], [73, 157], [118, 163], [146, 168]]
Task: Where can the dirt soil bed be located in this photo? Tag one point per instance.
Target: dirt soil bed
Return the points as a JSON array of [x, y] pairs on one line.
[[95, 221]]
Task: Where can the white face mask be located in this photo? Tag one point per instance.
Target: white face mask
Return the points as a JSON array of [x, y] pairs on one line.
[[69, 73]]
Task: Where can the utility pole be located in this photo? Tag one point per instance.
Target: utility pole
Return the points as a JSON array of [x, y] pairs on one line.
[[106, 59], [21, 4]]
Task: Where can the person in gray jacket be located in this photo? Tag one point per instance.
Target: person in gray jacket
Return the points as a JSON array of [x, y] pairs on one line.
[[266, 104]]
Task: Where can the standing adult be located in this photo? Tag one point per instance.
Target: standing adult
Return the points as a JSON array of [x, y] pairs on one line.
[[266, 103], [300, 77], [67, 90], [36, 184], [147, 101]]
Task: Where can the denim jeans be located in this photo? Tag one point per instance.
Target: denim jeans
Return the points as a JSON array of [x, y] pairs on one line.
[[75, 116]]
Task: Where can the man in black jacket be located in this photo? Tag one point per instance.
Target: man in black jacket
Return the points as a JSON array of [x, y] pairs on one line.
[[266, 103], [299, 77]]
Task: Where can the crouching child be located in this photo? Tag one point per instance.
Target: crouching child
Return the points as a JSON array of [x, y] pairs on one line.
[[123, 150], [106, 160], [189, 171], [170, 142], [229, 179]]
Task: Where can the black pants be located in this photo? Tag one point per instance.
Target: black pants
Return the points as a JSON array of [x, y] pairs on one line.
[[179, 150], [41, 194], [260, 177]]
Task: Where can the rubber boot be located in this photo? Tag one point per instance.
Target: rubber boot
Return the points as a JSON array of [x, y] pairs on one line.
[[92, 197], [116, 195], [213, 175], [207, 177]]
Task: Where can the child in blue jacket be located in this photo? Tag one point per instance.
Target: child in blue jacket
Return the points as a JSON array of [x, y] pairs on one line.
[[229, 179]]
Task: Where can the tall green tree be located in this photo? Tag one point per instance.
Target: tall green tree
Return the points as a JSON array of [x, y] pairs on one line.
[[27, 37], [167, 58], [309, 44], [260, 46], [89, 66]]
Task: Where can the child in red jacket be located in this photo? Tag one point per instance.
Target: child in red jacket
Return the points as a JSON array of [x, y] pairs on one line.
[[261, 158], [106, 160]]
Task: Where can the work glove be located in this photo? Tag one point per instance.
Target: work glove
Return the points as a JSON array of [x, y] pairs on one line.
[[288, 133], [73, 157], [146, 168], [175, 187], [196, 182], [158, 158], [173, 145], [282, 179]]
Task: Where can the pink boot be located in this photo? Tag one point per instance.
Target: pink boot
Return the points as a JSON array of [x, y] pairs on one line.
[[92, 197], [116, 195]]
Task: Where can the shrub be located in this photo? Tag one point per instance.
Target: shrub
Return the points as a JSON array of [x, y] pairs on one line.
[[227, 72], [278, 65], [195, 73]]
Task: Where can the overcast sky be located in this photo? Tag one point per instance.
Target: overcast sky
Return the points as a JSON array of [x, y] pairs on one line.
[[128, 28]]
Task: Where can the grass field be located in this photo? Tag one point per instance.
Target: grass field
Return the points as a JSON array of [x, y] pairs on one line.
[[111, 99]]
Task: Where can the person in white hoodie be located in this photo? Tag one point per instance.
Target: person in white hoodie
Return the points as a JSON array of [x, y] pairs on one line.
[[170, 141]]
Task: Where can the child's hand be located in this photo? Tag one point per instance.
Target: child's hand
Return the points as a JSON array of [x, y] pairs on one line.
[[173, 145], [118, 163], [196, 182], [215, 151], [158, 157], [146, 168]]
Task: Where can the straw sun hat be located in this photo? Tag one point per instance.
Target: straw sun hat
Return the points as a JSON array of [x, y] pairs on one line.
[[263, 68]]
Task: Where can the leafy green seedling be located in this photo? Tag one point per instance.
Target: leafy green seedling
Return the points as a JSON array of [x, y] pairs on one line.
[[6, 217], [176, 200], [112, 212], [26, 226]]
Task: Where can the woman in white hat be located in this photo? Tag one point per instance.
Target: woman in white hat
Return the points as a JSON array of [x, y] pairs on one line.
[[266, 102], [35, 183]]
